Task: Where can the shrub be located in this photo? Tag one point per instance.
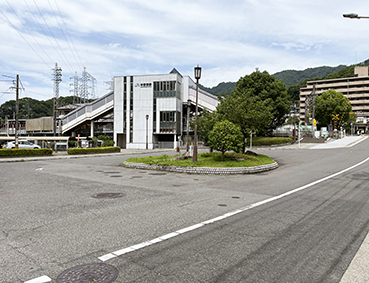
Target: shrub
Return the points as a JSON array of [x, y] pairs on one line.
[[24, 152], [93, 150]]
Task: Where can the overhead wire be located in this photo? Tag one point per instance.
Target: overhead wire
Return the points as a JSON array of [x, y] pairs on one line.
[[60, 27], [34, 50], [68, 37], [40, 26], [30, 33], [67, 64]]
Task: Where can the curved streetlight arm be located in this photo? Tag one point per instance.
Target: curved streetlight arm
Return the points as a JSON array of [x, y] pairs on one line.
[[354, 16]]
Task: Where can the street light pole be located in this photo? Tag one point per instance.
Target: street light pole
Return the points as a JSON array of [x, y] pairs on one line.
[[17, 113], [147, 131], [188, 125], [197, 77]]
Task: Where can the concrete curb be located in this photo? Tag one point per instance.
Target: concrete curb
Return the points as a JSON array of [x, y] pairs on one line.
[[204, 170], [66, 156]]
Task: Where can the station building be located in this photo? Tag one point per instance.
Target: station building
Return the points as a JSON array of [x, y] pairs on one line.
[[148, 110]]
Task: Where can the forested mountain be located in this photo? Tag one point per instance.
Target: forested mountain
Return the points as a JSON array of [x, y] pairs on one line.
[[289, 77], [292, 77], [221, 89], [32, 108]]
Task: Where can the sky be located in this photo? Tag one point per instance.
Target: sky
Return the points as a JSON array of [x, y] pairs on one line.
[[228, 39]]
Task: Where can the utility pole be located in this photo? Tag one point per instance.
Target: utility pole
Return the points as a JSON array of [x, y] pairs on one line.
[[16, 112]]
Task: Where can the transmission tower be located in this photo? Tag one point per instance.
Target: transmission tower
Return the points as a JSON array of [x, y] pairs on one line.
[[87, 86], [56, 78], [109, 85], [76, 98]]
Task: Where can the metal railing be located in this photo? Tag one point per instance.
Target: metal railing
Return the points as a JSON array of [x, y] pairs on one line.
[[88, 108]]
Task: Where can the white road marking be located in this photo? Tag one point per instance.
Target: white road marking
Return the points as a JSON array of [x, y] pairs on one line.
[[42, 279], [229, 214]]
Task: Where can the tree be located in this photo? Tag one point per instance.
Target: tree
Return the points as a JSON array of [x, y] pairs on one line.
[[266, 88], [248, 112], [331, 103], [225, 136], [205, 123]]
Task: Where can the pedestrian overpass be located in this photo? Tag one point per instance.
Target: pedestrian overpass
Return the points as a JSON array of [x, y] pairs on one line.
[[88, 113]]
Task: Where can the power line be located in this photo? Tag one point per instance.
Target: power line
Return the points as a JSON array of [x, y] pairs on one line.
[[28, 31], [69, 66], [68, 37], [24, 39]]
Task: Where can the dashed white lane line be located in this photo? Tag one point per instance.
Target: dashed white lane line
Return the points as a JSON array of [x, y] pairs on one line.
[[42, 279], [229, 214]]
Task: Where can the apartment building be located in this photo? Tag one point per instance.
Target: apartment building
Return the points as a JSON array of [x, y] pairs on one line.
[[356, 89]]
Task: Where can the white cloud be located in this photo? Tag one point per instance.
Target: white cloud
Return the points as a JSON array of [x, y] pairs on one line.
[[228, 39]]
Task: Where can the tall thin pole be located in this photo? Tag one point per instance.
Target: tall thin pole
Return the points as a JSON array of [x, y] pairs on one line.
[[17, 112], [195, 138], [54, 116], [147, 131], [188, 126]]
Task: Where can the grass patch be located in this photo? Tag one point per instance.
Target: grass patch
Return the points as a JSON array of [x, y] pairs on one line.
[[260, 141], [213, 159]]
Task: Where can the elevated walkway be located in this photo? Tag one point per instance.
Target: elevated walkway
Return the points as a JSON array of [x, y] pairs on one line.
[[88, 112]]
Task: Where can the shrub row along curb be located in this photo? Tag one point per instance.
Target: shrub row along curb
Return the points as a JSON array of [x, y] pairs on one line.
[[204, 170]]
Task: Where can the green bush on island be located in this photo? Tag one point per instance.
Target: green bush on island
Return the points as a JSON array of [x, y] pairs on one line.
[[211, 159]]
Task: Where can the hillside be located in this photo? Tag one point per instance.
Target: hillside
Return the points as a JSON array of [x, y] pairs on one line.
[[292, 77], [221, 89], [289, 77]]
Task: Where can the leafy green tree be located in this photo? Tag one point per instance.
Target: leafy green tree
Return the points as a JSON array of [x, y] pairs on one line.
[[266, 88], [225, 136], [331, 103], [248, 112], [205, 124]]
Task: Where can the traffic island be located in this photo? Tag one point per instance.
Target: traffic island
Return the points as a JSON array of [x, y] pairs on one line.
[[208, 164]]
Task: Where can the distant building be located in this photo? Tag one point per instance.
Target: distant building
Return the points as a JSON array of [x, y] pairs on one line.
[[356, 89]]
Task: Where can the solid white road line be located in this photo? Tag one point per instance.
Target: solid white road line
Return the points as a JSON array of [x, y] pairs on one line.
[[229, 214]]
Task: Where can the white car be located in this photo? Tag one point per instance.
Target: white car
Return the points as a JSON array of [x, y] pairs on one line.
[[22, 144]]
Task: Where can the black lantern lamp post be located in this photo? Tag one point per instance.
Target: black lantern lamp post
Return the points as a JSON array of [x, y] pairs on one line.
[[197, 77]]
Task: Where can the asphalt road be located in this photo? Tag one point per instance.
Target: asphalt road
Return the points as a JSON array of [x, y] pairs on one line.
[[51, 219]]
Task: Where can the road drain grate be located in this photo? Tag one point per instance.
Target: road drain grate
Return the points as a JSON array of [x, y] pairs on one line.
[[108, 195], [88, 273]]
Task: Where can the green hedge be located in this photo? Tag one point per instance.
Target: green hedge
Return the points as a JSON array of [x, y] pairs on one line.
[[93, 150], [260, 141], [7, 152]]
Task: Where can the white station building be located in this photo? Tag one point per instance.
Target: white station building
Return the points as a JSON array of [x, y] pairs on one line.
[[148, 110]]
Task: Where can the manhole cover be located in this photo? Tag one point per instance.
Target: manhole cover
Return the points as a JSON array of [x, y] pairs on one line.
[[108, 195], [88, 273]]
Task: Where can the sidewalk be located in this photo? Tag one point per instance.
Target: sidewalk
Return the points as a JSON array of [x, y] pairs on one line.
[[65, 155], [358, 270], [347, 141]]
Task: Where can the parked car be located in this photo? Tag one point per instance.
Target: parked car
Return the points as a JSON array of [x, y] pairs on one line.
[[22, 144]]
